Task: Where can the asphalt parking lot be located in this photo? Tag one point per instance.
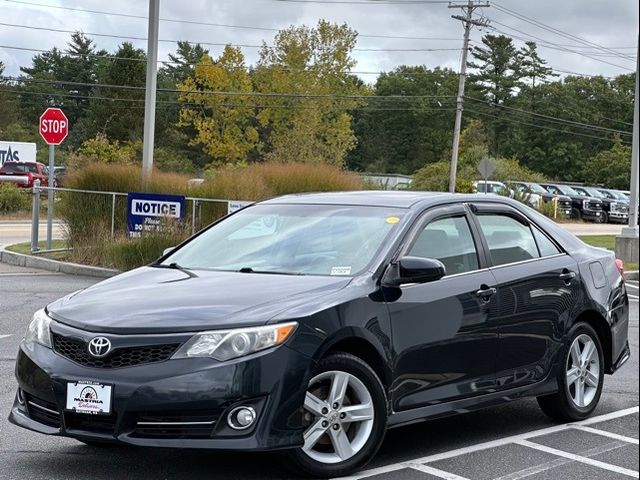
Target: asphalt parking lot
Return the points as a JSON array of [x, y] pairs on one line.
[[512, 441]]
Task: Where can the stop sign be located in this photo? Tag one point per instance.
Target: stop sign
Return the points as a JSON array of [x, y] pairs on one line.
[[54, 126]]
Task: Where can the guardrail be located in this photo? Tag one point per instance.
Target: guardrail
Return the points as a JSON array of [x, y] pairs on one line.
[[196, 203]]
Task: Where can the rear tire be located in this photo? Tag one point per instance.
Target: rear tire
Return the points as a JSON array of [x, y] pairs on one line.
[[580, 377], [357, 432], [604, 217]]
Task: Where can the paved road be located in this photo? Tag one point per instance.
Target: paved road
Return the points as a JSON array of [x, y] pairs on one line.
[[453, 448], [20, 231]]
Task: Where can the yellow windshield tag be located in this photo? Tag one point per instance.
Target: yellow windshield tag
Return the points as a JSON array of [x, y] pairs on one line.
[[392, 220]]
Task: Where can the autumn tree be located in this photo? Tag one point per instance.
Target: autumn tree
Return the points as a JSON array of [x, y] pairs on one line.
[[313, 125], [224, 123]]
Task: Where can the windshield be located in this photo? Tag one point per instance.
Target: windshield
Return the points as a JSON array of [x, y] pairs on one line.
[[535, 188], [617, 195], [292, 239], [567, 190], [593, 192]]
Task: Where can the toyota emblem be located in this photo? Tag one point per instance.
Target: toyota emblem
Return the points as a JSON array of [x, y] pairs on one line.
[[99, 347]]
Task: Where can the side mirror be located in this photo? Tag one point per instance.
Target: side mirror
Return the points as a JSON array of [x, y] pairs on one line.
[[414, 270], [167, 251]]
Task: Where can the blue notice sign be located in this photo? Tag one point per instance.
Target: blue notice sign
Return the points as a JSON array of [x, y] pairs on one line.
[[150, 212]]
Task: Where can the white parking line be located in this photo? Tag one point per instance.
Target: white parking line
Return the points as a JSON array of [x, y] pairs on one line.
[[435, 472], [4, 336], [491, 444], [604, 433], [632, 285], [578, 458]]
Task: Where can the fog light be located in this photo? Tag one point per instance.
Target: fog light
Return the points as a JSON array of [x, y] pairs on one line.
[[20, 397], [241, 418]]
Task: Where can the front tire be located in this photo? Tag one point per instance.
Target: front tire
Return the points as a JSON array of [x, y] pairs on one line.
[[346, 412], [580, 377]]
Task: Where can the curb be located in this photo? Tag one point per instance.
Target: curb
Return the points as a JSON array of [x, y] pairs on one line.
[[30, 261], [632, 275]]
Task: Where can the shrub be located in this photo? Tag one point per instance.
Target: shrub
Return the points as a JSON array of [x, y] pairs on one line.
[[14, 199], [126, 253]]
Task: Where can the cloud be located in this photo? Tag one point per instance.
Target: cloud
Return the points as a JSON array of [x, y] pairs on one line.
[[594, 20]]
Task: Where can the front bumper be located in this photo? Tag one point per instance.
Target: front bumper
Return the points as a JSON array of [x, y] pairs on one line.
[[196, 393], [620, 217], [594, 215]]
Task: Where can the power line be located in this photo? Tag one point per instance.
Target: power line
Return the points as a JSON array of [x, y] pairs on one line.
[[545, 127], [554, 30], [208, 24], [552, 119], [225, 104], [220, 92], [545, 43], [220, 44], [192, 64]]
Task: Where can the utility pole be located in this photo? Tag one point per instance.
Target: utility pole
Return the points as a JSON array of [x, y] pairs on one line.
[[468, 9], [150, 90], [627, 241]]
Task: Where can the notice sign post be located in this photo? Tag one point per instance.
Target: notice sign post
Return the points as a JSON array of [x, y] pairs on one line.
[[54, 128], [150, 212]]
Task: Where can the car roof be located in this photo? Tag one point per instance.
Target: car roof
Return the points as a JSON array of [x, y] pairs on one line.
[[393, 199]]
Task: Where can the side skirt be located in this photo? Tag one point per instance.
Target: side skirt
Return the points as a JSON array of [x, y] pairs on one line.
[[544, 387]]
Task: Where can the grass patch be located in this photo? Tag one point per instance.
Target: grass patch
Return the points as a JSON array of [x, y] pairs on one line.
[[25, 249], [608, 242]]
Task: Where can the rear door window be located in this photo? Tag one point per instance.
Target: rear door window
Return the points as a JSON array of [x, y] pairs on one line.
[[509, 240], [545, 245]]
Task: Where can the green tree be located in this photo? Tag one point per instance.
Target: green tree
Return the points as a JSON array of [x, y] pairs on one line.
[[610, 167], [118, 112], [533, 68], [401, 136], [498, 73], [183, 61]]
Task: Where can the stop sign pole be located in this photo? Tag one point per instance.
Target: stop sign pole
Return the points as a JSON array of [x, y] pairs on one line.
[[54, 128]]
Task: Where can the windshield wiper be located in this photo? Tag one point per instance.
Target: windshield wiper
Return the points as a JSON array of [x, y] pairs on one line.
[[270, 272], [175, 266]]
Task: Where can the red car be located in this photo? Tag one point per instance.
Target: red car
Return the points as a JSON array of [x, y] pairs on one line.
[[24, 173]]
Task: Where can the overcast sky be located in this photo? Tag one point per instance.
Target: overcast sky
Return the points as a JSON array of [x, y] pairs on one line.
[[609, 23]]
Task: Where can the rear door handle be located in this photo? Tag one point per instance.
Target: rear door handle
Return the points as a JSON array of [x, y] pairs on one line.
[[485, 293], [567, 276]]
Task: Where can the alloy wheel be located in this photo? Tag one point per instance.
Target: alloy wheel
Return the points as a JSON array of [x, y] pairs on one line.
[[583, 371], [340, 412]]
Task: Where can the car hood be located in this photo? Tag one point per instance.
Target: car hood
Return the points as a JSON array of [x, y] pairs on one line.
[[161, 300]]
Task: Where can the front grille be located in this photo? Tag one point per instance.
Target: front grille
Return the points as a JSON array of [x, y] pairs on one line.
[[196, 424], [595, 205], [565, 203], [76, 351], [90, 423], [43, 411], [620, 208]]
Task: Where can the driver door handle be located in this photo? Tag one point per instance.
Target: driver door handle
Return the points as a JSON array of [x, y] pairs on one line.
[[485, 293]]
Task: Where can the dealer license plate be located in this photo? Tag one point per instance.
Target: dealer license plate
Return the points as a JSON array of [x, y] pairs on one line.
[[89, 397]]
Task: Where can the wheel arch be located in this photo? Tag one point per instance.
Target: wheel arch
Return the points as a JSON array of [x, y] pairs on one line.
[[363, 345], [603, 330]]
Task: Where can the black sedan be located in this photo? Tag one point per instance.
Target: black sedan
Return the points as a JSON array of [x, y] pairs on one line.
[[313, 323]]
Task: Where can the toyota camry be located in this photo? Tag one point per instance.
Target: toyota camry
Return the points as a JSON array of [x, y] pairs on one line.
[[313, 323]]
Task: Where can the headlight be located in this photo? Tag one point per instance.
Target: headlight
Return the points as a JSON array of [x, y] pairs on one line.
[[613, 206], [227, 344], [38, 329], [585, 204]]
